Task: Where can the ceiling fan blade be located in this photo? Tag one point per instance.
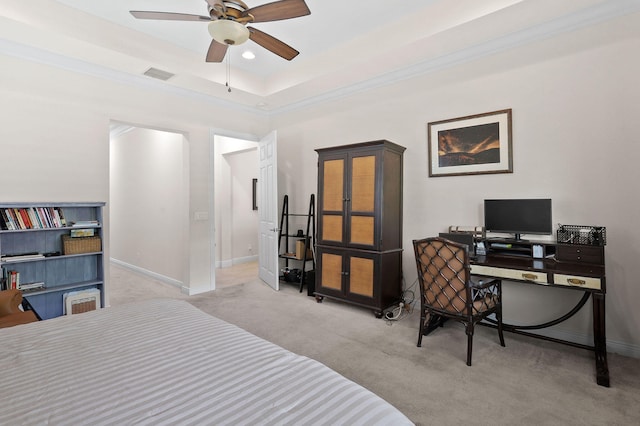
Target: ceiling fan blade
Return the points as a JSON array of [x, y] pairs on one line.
[[169, 16], [216, 51], [278, 10], [272, 44]]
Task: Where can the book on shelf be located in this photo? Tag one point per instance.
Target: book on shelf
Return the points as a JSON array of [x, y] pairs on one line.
[[6, 222], [27, 218], [18, 218], [57, 218], [33, 223], [10, 279], [85, 223], [12, 215], [44, 217], [83, 232], [35, 218], [63, 221], [55, 223], [13, 279], [31, 286], [22, 256]]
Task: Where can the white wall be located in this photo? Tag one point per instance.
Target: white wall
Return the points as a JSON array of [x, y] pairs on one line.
[[146, 202], [236, 163], [244, 227], [54, 134], [574, 99]]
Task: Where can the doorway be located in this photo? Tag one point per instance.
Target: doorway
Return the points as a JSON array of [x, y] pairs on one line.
[[146, 184], [236, 167]]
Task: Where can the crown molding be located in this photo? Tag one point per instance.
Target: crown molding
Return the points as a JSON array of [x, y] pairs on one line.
[[596, 14]]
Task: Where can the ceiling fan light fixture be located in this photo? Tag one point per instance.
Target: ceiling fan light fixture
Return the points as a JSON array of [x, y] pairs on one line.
[[228, 32]]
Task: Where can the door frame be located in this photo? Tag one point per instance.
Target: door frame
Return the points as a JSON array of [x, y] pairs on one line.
[[213, 132]]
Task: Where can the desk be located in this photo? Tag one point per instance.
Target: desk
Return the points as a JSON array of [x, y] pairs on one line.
[[575, 274]]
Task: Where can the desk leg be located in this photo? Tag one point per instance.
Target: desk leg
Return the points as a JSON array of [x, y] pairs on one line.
[[600, 340]]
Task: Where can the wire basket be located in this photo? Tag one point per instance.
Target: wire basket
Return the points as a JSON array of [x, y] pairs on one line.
[[585, 235], [78, 245]]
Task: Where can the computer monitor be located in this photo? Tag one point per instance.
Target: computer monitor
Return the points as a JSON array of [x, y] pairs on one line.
[[518, 216], [461, 238]]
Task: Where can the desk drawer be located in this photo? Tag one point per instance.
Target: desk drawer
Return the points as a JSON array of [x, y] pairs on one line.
[[577, 281], [513, 274], [580, 253]]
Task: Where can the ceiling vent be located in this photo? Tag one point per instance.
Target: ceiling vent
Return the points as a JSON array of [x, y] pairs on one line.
[[159, 74]]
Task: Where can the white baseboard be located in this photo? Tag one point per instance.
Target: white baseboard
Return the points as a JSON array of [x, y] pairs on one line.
[[151, 274], [246, 259], [224, 264], [236, 261]]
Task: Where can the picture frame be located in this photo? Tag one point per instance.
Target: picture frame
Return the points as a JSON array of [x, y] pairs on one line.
[[471, 145], [254, 193]]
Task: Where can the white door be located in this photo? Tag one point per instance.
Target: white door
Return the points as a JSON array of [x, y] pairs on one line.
[[268, 211]]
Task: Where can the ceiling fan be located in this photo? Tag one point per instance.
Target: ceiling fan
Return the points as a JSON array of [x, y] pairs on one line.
[[228, 21]]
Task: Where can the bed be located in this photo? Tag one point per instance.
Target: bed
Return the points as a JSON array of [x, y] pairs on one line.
[[166, 362]]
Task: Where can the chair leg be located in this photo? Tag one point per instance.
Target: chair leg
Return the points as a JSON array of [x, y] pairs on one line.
[[499, 318], [469, 330], [423, 318]]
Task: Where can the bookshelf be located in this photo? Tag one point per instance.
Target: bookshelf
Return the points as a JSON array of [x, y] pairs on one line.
[[45, 264], [302, 249]]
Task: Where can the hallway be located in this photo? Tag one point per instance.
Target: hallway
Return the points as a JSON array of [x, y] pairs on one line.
[[127, 285]]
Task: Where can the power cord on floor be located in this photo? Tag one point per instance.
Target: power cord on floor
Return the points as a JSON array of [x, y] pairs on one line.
[[404, 307], [395, 313]]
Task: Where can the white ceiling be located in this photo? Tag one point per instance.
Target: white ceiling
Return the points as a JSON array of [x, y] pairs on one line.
[[309, 35], [345, 45]]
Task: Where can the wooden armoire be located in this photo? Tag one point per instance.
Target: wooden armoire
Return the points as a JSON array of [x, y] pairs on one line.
[[359, 244]]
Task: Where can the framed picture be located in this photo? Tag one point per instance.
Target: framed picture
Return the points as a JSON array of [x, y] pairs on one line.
[[472, 145], [254, 193]]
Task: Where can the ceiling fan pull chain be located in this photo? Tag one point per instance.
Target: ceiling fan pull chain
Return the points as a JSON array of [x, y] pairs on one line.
[[228, 84]]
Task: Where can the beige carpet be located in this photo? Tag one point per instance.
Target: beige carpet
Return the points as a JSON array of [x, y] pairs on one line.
[[529, 382]]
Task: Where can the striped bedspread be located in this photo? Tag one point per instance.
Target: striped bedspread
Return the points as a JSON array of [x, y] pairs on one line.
[[166, 362]]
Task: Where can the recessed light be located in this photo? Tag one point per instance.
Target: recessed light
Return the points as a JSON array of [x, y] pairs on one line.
[[247, 54]]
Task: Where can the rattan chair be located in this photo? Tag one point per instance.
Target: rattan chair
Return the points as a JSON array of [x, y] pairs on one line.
[[447, 289]]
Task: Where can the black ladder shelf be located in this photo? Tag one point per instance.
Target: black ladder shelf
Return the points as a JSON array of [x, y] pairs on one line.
[[300, 251]]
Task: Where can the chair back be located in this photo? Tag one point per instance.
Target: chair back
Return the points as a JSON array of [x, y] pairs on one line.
[[443, 274]]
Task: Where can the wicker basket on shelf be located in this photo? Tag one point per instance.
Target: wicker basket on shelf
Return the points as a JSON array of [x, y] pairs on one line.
[[78, 245]]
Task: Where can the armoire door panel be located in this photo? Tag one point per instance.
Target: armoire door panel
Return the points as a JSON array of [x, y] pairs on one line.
[[333, 185], [361, 276], [331, 228], [363, 183], [332, 271], [362, 230]]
